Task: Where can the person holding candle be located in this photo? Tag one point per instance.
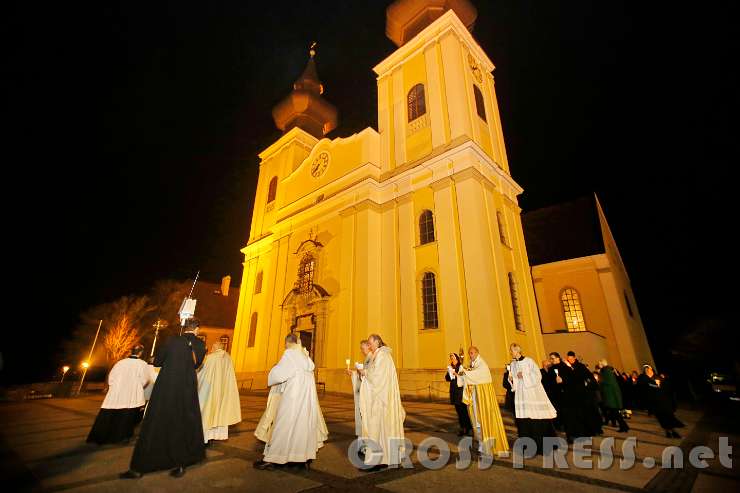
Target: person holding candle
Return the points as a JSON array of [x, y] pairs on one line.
[[660, 403], [356, 384], [456, 395], [380, 405]]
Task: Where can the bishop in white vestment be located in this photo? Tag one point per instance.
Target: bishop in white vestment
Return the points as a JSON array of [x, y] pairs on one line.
[[298, 429]]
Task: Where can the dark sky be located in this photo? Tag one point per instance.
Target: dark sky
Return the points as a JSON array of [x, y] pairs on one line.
[[136, 128]]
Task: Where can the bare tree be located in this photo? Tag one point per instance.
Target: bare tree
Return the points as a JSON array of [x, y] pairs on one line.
[[120, 338]]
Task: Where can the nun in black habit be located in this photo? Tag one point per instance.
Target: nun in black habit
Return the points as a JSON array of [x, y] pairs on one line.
[[172, 431]]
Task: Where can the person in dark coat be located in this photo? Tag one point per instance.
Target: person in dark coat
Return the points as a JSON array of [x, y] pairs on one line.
[[660, 402], [456, 395], [172, 431], [509, 397], [581, 417], [553, 390], [611, 396]]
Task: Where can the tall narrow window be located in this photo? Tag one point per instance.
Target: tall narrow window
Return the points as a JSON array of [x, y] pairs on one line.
[[426, 227], [572, 310], [272, 190], [480, 106], [416, 103], [429, 300], [258, 283], [515, 302], [629, 305], [252, 330], [224, 340], [502, 228]]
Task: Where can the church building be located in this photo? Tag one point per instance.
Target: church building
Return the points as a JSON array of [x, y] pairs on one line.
[[412, 231]]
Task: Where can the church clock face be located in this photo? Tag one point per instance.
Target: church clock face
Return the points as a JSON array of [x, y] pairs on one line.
[[319, 165]]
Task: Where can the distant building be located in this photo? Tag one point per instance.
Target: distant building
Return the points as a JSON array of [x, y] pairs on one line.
[[216, 310], [584, 296]]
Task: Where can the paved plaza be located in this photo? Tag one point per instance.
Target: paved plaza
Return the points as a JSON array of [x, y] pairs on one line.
[[43, 449]]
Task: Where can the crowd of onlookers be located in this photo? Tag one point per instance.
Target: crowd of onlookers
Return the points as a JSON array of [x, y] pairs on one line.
[[586, 400]]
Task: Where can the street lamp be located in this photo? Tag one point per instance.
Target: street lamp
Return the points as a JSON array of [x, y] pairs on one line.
[[86, 364], [65, 369]]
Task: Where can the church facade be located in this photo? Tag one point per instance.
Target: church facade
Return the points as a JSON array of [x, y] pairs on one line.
[[412, 231]]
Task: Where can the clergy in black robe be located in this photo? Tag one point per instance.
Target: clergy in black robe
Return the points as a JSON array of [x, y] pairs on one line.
[[172, 431]]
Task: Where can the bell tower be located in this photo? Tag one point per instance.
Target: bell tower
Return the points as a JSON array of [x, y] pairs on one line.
[[436, 90]]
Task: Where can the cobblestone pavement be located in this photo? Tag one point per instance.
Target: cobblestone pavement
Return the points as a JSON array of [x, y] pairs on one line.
[[43, 449]]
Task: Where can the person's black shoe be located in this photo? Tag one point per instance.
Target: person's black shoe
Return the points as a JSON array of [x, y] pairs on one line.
[[675, 435], [263, 466], [130, 474], [668, 434], [623, 429], [177, 472]]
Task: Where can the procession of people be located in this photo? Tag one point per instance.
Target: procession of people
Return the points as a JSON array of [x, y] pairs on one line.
[[194, 399]]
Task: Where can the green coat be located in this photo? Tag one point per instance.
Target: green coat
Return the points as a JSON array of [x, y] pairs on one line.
[[611, 395]]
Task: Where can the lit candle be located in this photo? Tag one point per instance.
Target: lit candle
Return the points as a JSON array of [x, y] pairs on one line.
[[347, 361]]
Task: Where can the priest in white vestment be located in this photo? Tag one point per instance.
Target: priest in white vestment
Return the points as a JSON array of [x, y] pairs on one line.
[[380, 408], [123, 405], [480, 397], [533, 410], [357, 381], [218, 394], [298, 429]]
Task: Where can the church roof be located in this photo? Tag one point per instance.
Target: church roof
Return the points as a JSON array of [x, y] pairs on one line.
[[213, 308], [563, 231]]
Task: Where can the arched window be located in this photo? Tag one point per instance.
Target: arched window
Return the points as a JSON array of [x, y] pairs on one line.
[[480, 106], [572, 310], [258, 283], [224, 340], [502, 228], [426, 227], [252, 330], [514, 289], [429, 300], [305, 273], [272, 190], [416, 102]]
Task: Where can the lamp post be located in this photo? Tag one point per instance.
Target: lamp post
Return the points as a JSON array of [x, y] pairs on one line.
[[86, 364], [65, 369], [161, 324]]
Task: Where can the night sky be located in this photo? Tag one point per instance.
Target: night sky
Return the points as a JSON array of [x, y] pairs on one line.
[[135, 127]]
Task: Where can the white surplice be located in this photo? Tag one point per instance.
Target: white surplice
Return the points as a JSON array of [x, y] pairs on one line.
[[299, 429], [126, 382], [381, 409], [530, 398]]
